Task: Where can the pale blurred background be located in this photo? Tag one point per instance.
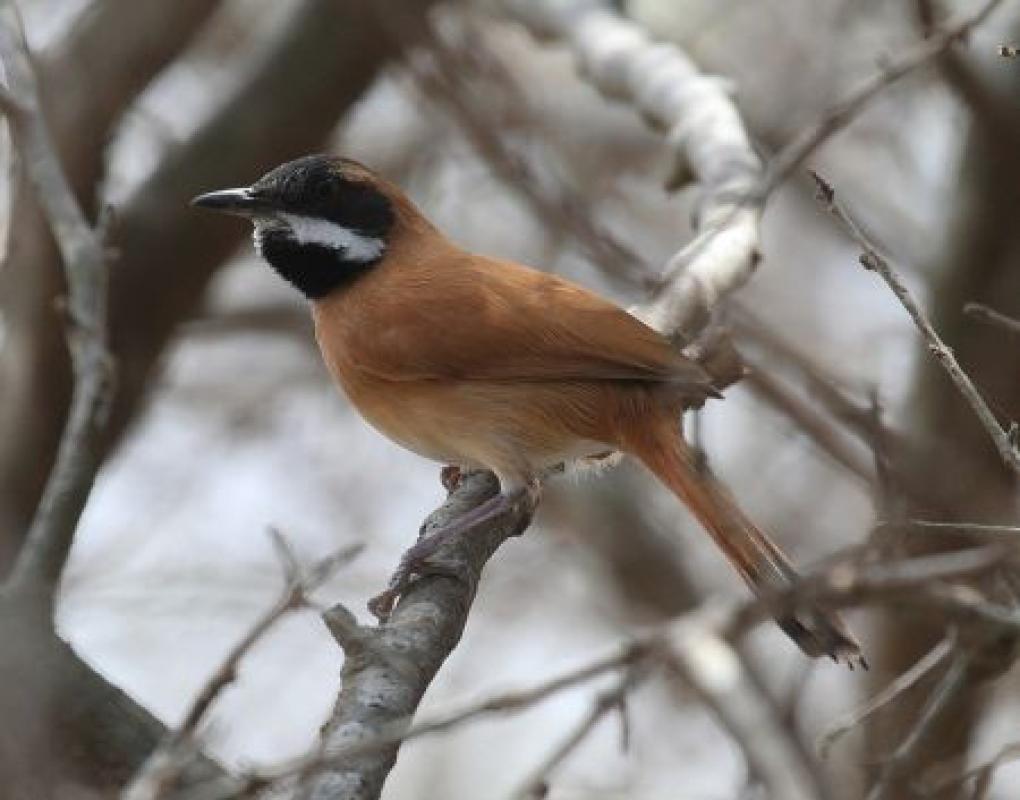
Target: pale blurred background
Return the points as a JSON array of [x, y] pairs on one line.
[[241, 428]]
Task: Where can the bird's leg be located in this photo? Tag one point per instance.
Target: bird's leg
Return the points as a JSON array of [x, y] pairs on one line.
[[414, 557], [450, 476]]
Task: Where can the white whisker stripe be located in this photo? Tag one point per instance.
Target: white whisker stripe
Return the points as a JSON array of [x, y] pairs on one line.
[[355, 246]]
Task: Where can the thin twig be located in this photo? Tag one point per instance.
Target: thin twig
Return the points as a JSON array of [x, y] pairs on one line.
[[897, 687], [631, 655], [160, 772], [800, 148], [871, 259], [537, 784], [983, 773], [707, 663], [983, 313], [445, 82], [1008, 532], [46, 547], [949, 686], [700, 641], [829, 439]]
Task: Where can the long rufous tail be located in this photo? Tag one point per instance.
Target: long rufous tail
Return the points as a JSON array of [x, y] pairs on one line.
[[816, 630]]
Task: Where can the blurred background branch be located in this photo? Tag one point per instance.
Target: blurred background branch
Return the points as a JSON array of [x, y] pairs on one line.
[[224, 420]]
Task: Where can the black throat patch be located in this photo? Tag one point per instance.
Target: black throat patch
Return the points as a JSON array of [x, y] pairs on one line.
[[314, 269]]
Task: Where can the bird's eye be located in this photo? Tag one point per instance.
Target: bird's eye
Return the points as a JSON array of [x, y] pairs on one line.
[[323, 190]]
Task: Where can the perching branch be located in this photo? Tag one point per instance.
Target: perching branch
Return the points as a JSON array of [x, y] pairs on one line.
[[389, 667], [872, 259], [42, 558], [699, 645], [629, 657]]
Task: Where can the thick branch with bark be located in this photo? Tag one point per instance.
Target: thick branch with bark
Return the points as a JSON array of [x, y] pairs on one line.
[[389, 667]]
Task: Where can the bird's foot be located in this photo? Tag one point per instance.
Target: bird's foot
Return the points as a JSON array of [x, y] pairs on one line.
[[415, 557]]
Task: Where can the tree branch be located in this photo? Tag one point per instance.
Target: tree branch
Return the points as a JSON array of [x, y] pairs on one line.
[[162, 771], [388, 667], [794, 154], [699, 645], [989, 316], [901, 684], [871, 259], [86, 82], [705, 134], [947, 689], [42, 559]]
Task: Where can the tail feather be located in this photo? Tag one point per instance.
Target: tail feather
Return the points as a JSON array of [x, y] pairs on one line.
[[816, 630]]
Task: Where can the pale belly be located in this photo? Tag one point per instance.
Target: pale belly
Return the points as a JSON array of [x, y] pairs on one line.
[[514, 430]]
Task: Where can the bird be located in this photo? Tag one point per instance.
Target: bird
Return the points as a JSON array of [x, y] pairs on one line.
[[483, 363]]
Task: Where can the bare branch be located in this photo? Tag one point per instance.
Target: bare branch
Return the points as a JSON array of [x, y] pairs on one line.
[[1008, 532], [168, 761], [822, 432], [41, 561], [708, 663], [698, 644], [445, 83], [950, 685], [397, 731], [786, 162], [388, 667], [982, 773], [537, 785], [707, 138], [872, 259], [989, 316], [901, 684]]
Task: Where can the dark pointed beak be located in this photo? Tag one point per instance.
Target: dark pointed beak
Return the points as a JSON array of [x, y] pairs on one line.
[[232, 201]]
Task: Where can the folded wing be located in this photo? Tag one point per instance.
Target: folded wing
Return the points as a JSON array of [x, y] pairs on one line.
[[499, 321]]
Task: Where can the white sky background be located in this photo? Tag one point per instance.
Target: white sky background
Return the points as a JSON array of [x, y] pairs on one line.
[[245, 431]]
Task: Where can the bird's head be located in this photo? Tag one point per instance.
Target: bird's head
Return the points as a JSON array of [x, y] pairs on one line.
[[320, 221]]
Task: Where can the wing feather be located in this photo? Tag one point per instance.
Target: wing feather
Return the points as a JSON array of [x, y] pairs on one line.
[[498, 321]]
